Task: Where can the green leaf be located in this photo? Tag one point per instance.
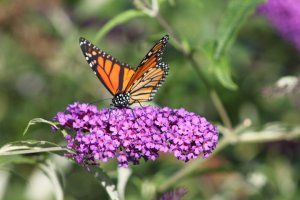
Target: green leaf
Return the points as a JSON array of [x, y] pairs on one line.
[[16, 159], [106, 182], [235, 16], [223, 73], [41, 120], [38, 120], [123, 176], [50, 171], [117, 20], [29, 147]]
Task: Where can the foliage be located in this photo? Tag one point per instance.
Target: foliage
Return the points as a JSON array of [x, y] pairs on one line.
[[226, 61]]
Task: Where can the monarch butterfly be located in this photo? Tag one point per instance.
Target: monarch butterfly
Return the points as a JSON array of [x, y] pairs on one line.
[[127, 85]]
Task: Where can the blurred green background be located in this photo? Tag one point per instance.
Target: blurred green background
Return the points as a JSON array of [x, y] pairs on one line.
[[42, 70]]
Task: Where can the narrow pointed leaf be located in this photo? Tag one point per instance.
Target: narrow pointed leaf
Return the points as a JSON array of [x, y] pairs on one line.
[[117, 20], [29, 147], [38, 120], [50, 171]]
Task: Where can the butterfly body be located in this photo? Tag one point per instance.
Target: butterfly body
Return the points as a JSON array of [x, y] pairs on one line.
[[121, 100], [127, 85]]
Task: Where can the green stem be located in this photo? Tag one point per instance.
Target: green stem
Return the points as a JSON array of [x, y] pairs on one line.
[[220, 108], [177, 43], [265, 136]]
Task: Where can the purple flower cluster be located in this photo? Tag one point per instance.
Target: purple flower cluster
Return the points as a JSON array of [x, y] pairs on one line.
[[285, 16], [131, 134]]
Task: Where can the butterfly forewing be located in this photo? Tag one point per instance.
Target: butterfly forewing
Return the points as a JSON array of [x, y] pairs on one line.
[[149, 75], [152, 58], [113, 74]]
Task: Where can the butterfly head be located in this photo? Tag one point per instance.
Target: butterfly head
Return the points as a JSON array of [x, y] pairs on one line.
[[121, 100]]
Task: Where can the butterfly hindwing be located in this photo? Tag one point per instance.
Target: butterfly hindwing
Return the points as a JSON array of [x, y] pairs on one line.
[[144, 88], [113, 74]]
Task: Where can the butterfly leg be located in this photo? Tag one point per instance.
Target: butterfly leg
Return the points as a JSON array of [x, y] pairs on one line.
[[133, 113], [109, 112], [140, 103]]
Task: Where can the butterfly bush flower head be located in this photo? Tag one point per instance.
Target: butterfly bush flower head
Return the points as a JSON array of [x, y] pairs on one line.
[[285, 17], [132, 134]]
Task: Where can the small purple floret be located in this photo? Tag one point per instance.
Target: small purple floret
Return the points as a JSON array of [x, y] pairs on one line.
[[131, 134]]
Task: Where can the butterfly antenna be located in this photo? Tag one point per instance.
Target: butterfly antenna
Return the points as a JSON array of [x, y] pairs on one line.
[[100, 100], [132, 113]]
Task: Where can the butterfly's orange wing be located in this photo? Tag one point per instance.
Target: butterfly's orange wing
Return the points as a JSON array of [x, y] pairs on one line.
[[149, 75], [114, 75]]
